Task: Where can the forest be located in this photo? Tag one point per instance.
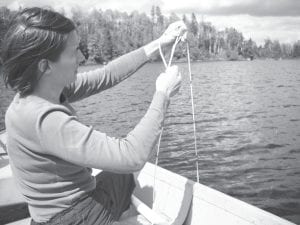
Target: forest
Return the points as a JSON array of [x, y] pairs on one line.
[[108, 34]]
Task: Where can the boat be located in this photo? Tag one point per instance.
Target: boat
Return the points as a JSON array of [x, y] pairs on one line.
[[176, 200]]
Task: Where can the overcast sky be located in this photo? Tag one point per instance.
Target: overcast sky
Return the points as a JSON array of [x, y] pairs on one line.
[[258, 19]]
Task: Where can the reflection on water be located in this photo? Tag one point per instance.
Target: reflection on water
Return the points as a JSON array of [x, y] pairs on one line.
[[248, 127]]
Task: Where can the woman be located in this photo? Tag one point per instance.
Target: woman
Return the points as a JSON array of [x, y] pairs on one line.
[[51, 152]]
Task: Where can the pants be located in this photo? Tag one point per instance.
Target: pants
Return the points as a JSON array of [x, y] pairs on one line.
[[101, 207]]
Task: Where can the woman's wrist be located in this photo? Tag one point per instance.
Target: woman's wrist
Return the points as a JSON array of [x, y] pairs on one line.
[[164, 93], [151, 49]]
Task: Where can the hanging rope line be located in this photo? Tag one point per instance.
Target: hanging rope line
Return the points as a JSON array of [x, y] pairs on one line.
[[156, 163], [162, 55], [159, 139], [173, 50], [193, 109], [178, 38]]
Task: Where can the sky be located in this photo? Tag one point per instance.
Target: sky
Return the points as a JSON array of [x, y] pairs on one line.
[[256, 19]]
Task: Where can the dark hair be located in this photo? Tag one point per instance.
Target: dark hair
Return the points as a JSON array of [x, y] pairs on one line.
[[34, 34]]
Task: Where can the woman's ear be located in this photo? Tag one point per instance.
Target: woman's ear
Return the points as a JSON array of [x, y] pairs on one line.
[[43, 66]]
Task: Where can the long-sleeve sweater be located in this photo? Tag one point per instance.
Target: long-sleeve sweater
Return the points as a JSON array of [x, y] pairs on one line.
[[51, 153]]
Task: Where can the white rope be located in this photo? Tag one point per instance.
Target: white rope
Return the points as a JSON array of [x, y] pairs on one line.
[[156, 163], [173, 50], [193, 109], [162, 55], [192, 100], [159, 140]]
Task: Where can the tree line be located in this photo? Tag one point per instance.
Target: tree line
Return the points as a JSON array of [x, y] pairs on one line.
[[108, 34]]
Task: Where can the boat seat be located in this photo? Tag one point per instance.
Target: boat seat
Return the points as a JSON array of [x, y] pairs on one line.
[[172, 193]]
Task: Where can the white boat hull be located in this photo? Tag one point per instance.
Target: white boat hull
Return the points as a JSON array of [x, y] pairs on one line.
[[208, 206]]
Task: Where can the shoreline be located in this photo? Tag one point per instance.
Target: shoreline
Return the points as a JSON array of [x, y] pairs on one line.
[[184, 60]]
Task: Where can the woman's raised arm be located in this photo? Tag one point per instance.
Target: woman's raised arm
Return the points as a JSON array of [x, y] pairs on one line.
[[95, 81]]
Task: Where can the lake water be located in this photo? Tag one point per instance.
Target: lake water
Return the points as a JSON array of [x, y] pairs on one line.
[[247, 120]]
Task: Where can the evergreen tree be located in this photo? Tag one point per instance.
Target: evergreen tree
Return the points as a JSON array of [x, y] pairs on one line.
[[106, 45], [160, 17], [153, 21], [173, 18], [276, 50], [194, 25], [5, 17], [296, 49]]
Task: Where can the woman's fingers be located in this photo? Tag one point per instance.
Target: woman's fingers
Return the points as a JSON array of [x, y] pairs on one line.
[[176, 29], [169, 82], [177, 86], [180, 27]]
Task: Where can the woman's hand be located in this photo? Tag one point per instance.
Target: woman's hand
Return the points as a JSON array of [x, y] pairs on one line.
[[172, 32], [169, 36], [169, 82]]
